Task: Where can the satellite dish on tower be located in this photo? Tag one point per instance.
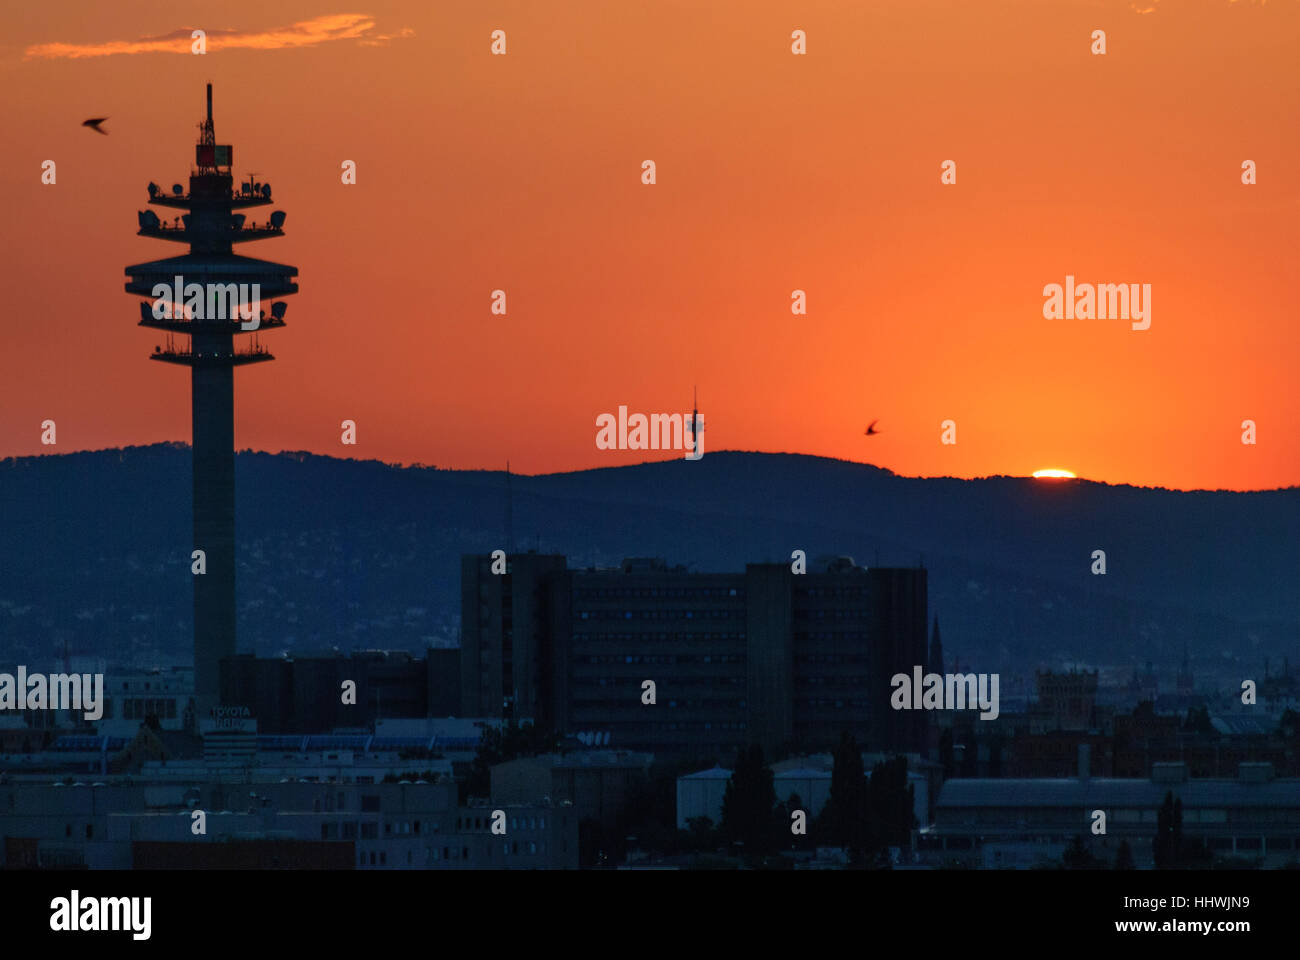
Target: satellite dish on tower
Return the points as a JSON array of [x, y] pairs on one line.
[[177, 189], [153, 189], [278, 309], [277, 219]]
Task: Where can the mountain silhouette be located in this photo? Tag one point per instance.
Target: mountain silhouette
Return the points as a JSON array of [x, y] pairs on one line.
[[95, 551]]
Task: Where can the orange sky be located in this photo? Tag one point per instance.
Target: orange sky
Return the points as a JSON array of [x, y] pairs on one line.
[[775, 172]]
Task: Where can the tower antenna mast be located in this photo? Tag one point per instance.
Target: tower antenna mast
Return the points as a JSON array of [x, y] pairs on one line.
[[211, 229]]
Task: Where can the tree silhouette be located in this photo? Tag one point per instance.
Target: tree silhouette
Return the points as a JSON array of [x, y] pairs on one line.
[[1124, 858], [892, 801], [1198, 721], [1166, 848], [700, 836], [1079, 857], [749, 804], [498, 745], [847, 817]]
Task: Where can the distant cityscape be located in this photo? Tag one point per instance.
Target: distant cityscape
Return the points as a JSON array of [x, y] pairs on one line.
[[539, 722]]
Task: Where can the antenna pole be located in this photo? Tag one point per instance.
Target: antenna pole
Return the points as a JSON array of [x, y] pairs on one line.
[[209, 105]]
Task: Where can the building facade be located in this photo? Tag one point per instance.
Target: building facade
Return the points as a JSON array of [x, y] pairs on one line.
[[121, 825], [304, 694], [1020, 823], [788, 660]]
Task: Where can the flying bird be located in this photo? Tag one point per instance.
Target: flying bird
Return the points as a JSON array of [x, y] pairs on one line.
[[94, 123], [871, 431]]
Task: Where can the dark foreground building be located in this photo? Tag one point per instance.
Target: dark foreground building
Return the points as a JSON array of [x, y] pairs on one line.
[[1250, 820], [304, 694], [265, 822], [787, 660], [790, 661]]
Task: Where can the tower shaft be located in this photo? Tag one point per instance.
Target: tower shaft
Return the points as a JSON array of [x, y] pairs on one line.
[[213, 406]]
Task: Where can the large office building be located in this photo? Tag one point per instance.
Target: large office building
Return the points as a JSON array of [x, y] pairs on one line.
[[788, 660], [305, 694], [507, 621]]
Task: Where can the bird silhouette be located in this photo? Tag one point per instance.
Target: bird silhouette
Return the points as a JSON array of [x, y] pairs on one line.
[[94, 123], [871, 431]]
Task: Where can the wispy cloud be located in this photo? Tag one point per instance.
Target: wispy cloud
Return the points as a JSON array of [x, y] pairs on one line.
[[305, 33], [380, 39]]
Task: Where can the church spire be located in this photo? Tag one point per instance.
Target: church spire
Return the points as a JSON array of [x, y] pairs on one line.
[[935, 664]]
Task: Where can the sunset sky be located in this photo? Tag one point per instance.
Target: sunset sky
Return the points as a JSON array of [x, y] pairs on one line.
[[775, 172]]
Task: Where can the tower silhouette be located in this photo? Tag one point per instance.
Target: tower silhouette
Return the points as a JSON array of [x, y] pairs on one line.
[[696, 426], [210, 295]]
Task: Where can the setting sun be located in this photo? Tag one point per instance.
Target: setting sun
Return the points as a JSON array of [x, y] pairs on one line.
[[1041, 474]]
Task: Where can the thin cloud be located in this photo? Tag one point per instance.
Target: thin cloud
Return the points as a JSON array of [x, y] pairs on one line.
[[381, 39], [305, 33]]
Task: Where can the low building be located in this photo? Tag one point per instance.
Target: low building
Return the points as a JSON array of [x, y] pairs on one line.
[[596, 782], [108, 825], [700, 795], [1018, 823]]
